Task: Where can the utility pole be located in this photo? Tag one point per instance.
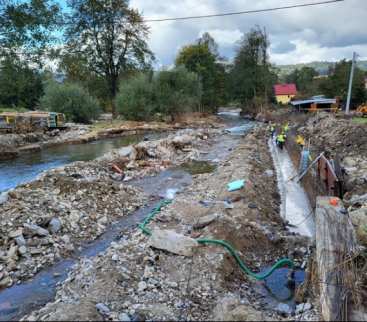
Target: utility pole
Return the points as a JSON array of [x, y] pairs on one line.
[[350, 82]]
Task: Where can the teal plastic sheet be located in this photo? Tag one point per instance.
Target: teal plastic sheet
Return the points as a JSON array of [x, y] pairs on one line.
[[236, 185]]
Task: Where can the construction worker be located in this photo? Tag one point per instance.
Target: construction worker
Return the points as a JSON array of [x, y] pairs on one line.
[[281, 140], [300, 141], [286, 127]]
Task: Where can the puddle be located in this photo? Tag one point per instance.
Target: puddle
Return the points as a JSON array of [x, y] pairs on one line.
[[295, 206], [198, 167], [276, 294]]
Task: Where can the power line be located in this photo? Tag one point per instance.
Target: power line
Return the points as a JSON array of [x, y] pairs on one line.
[[244, 12]]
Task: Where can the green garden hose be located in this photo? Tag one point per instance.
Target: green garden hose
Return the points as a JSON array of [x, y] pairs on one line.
[[227, 246]]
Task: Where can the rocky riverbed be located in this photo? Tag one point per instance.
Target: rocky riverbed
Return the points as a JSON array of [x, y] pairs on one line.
[[14, 144], [168, 275], [48, 219]]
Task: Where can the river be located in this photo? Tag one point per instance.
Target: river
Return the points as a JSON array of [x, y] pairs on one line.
[[29, 165]]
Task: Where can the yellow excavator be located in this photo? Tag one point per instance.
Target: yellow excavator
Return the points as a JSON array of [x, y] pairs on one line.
[[362, 109]]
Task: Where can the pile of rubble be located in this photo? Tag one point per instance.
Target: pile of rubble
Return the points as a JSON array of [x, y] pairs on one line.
[[49, 218], [343, 138], [338, 136], [168, 276]]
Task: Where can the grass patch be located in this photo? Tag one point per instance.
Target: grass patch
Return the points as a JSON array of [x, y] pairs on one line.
[[360, 120]]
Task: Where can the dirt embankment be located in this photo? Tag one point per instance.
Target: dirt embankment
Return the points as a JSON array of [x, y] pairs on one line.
[[47, 219], [11, 145], [133, 281]]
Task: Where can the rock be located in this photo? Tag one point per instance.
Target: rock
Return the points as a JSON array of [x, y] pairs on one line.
[[16, 233], [6, 282], [142, 286], [303, 307], [127, 152], [115, 257], [20, 240], [229, 308], [359, 219], [54, 225], [103, 309], [359, 216], [172, 242], [357, 199], [252, 205], [349, 162], [124, 317], [205, 221], [182, 140], [269, 173], [283, 308], [32, 230], [22, 250], [3, 197]]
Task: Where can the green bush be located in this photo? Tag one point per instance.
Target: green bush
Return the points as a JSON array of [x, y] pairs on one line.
[[178, 91], [72, 100], [167, 92], [136, 99]]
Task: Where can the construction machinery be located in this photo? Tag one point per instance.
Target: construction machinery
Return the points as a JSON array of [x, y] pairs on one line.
[[14, 122], [362, 110]]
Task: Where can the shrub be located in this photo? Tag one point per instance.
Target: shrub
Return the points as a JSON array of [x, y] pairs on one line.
[[136, 99], [72, 100], [178, 91], [168, 92]]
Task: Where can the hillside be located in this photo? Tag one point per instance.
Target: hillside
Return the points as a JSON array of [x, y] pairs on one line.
[[321, 66]]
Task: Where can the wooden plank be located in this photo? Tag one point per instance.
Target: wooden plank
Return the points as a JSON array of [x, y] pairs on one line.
[[335, 244]]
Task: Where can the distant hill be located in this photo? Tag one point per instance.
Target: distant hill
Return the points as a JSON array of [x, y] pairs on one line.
[[321, 66]]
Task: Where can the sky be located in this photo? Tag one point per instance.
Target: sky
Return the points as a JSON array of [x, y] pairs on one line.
[[321, 33]]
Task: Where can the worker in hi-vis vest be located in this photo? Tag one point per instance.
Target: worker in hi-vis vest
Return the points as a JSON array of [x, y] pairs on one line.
[[280, 140]]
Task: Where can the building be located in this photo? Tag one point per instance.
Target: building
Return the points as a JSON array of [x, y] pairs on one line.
[[316, 103], [284, 93]]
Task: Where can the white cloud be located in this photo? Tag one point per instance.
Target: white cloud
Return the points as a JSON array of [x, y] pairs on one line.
[[327, 32]]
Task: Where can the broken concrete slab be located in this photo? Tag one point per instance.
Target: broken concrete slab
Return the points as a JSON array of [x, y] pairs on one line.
[[205, 221], [172, 242], [32, 229]]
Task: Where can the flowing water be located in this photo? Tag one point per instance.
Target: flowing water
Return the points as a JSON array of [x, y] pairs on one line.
[[295, 207], [19, 300], [29, 165]]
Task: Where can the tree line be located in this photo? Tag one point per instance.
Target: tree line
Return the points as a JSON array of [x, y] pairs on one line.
[[102, 62]]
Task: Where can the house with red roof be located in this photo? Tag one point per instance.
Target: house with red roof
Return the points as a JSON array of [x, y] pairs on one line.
[[284, 92]]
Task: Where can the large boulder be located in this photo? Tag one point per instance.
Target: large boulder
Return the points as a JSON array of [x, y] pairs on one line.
[[172, 242], [359, 220], [230, 308]]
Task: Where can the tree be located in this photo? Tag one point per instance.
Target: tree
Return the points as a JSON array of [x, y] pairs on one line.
[[252, 75], [337, 83], [201, 58], [169, 92], [111, 38], [304, 79], [72, 100], [27, 28], [20, 86]]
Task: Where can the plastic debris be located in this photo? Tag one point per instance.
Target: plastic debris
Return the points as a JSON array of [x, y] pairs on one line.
[[236, 185]]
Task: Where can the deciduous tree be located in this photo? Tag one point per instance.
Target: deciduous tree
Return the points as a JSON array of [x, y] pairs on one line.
[[110, 36]]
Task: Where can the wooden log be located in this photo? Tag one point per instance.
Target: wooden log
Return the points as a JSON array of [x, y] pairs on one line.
[[335, 246]]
